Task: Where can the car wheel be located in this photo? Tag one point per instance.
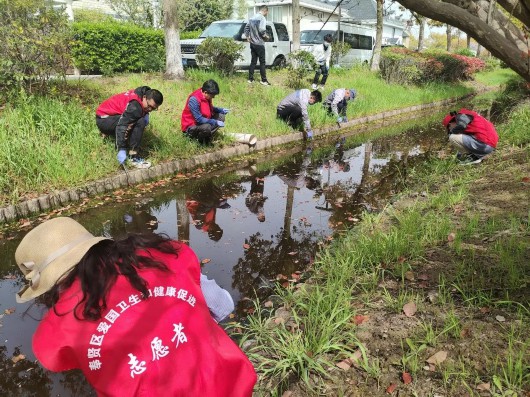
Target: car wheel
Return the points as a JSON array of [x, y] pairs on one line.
[[279, 62]]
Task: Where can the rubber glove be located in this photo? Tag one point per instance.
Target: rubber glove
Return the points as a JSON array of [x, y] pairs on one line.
[[146, 119], [339, 120], [122, 156], [224, 111], [220, 123], [309, 134]]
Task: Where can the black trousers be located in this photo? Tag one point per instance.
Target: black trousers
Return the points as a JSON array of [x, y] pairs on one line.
[[341, 107], [133, 135], [204, 133], [322, 69], [257, 52], [292, 115]]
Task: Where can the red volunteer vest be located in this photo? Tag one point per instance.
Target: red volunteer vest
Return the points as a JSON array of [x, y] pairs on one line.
[[481, 129], [206, 106], [117, 104], [166, 345]]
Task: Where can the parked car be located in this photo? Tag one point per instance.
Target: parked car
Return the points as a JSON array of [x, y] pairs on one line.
[[276, 48]]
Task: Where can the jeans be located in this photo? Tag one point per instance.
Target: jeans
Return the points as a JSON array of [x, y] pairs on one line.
[[468, 144], [322, 69], [257, 52], [107, 126], [204, 133]]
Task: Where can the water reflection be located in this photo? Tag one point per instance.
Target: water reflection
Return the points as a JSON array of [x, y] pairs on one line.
[[253, 225]]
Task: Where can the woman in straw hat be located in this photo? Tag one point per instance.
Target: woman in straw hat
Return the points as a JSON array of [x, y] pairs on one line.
[[135, 315]]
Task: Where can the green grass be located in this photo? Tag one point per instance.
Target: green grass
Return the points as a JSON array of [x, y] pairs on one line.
[[495, 77]]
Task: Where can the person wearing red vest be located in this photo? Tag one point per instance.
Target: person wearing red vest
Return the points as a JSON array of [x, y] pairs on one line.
[[473, 136], [200, 119], [135, 315], [125, 117]]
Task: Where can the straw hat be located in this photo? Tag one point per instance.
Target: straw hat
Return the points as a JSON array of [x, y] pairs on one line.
[[48, 252]]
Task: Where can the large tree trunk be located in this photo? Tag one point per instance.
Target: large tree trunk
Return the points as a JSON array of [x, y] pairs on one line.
[[296, 25], [448, 32], [174, 68], [500, 36], [376, 55], [421, 34]]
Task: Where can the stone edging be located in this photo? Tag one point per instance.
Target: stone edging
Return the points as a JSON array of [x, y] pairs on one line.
[[62, 198]]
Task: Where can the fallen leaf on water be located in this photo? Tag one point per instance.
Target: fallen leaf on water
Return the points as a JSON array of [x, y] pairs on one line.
[[437, 358], [359, 319], [406, 378], [390, 389], [16, 359], [9, 311], [246, 246], [410, 309], [484, 386], [205, 260]]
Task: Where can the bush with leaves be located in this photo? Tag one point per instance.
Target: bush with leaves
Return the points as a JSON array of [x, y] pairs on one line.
[[110, 47], [35, 45], [219, 53], [338, 50], [300, 64]]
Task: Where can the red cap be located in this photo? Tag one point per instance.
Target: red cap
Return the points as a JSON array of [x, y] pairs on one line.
[[447, 119]]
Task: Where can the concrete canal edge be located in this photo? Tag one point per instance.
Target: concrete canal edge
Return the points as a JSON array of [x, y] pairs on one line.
[[58, 199]]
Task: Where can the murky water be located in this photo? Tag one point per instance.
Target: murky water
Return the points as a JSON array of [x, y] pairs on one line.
[[247, 226]]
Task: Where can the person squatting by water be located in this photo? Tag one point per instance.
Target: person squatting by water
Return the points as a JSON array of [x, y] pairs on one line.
[[322, 55], [337, 103], [293, 109], [125, 117], [471, 134], [135, 315], [201, 120], [256, 32]]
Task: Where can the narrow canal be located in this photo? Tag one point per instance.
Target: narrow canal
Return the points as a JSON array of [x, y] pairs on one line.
[[250, 227]]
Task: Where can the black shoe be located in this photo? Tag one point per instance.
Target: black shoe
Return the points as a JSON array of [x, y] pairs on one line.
[[265, 82]]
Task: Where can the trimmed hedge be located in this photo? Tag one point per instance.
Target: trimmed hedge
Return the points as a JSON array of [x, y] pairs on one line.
[[403, 66], [109, 47]]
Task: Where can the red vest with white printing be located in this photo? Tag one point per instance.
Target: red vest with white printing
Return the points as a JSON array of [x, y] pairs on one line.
[[481, 128], [117, 104], [165, 345], [187, 120]]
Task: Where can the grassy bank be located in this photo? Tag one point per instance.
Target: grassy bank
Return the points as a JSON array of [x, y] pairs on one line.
[[53, 143], [429, 297]]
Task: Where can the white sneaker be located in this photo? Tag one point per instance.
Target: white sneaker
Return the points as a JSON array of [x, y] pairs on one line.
[[250, 81], [138, 162], [265, 82], [314, 86]]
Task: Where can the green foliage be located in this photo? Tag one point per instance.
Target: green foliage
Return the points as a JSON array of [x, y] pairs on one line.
[[110, 47], [299, 65], [191, 34], [219, 53], [339, 49], [35, 45], [204, 12], [92, 16]]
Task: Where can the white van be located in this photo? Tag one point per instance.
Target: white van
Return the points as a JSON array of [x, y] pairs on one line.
[[276, 48], [360, 38]]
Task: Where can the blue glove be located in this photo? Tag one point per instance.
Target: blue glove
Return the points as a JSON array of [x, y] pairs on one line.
[[146, 119], [220, 123], [339, 120], [122, 156], [224, 111], [309, 134]]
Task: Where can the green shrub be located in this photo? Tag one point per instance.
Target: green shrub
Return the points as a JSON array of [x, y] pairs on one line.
[[35, 45], [491, 63], [219, 53], [192, 34], [111, 47], [399, 67], [299, 65], [338, 50], [466, 52]]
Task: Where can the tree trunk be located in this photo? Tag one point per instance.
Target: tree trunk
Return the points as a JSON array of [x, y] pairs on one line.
[[174, 68], [503, 38], [449, 37], [376, 55], [296, 25], [421, 34], [468, 42]]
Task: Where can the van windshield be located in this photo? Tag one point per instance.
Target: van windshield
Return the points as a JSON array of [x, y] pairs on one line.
[[230, 30], [314, 36]]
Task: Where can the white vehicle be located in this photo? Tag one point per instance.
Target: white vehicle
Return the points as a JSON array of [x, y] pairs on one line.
[[360, 38], [276, 48]]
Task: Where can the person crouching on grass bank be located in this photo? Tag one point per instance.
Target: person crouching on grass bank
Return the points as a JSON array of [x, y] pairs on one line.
[[135, 315], [200, 119], [293, 109], [471, 134], [125, 117]]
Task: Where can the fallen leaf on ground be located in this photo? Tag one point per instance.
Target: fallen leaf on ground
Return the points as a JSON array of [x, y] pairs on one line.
[[359, 319], [268, 304], [292, 253], [390, 389], [410, 309], [345, 364], [500, 319], [451, 237], [16, 359], [288, 393], [437, 358], [484, 386], [409, 276], [406, 378], [525, 179]]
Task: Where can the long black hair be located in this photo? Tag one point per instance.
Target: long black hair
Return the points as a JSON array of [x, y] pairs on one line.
[[98, 270]]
